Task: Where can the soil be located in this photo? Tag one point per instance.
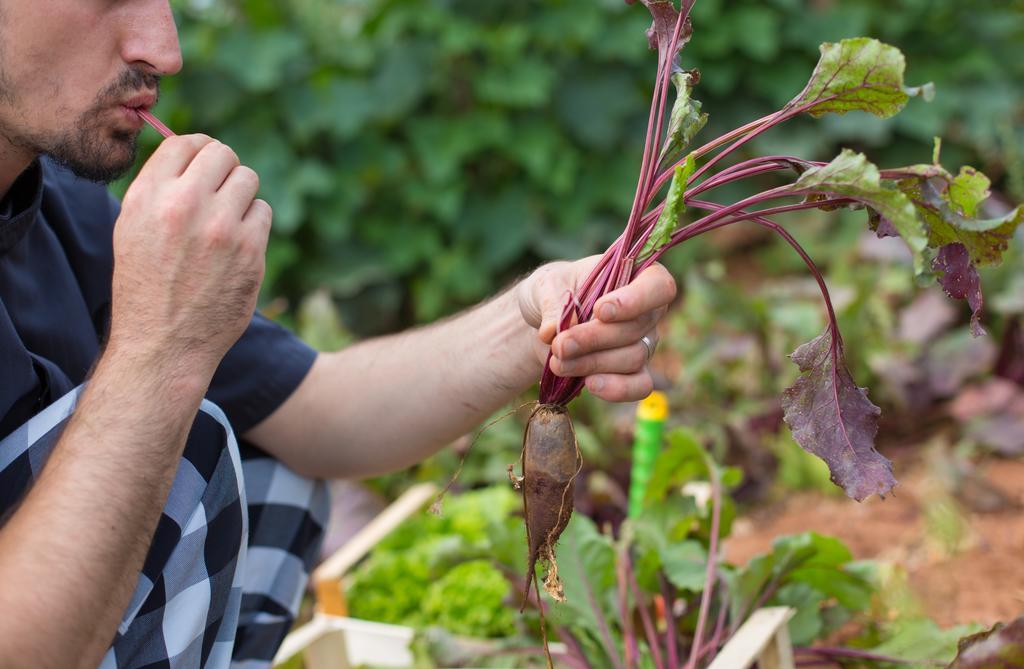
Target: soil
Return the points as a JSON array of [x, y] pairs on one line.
[[979, 580]]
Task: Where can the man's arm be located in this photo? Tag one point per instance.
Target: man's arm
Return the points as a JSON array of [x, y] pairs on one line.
[[188, 251], [71, 554], [387, 403]]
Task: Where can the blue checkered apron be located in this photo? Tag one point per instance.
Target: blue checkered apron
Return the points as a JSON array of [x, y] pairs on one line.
[[225, 573]]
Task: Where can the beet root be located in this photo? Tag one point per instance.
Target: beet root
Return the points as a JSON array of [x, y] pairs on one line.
[[551, 461]]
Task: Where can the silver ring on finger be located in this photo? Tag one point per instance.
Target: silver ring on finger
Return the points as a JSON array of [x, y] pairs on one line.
[[649, 345]]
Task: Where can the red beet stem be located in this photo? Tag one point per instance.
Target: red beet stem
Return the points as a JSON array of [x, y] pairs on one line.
[[155, 123]]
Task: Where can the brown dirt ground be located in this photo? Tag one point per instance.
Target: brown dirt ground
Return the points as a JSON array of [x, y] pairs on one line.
[[982, 581]]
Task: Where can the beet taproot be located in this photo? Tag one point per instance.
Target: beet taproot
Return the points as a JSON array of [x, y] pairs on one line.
[[550, 463]]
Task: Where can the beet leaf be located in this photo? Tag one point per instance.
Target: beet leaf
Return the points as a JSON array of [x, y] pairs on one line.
[[668, 220], [935, 213], [686, 119], [1001, 647], [659, 35], [851, 175], [832, 417], [949, 207], [859, 73], [959, 278]]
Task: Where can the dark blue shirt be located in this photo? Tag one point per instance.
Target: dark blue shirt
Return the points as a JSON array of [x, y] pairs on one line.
[[56, 263]]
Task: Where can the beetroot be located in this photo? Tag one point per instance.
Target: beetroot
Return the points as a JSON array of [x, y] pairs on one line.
[[551, 460]]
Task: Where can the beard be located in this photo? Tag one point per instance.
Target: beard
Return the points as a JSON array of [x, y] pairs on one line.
[[92, 148], [92, 151]]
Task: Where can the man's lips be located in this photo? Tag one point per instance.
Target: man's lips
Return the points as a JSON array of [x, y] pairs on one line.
[[140, 102]]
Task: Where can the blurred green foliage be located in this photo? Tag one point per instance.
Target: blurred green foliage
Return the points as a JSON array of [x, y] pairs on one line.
[[420, 154]]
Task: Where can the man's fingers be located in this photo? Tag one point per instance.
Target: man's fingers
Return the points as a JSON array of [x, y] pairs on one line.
[[240, 188], [654, 288], [259, 212], [552, 319], [626, 360], [211, 167], [621, 387], [594, 335], [173, 156]]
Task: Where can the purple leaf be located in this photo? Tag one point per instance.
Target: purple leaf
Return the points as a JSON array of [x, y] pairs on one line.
[[1002, 647], [665, 16], [882, 226], [959, 278], [832, 417]]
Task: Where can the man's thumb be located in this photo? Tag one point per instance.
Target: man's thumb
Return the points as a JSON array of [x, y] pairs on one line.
[[551, 317]]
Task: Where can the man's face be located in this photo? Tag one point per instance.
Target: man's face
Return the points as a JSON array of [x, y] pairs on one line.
[[72, 72]]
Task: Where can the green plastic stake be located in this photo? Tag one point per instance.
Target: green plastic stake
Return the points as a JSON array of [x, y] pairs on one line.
[[650, 426]]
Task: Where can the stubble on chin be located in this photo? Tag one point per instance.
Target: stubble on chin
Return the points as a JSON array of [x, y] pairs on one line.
[[93, 150]]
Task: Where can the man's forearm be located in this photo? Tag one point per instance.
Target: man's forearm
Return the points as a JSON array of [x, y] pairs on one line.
[[387, 403], [70, 555]]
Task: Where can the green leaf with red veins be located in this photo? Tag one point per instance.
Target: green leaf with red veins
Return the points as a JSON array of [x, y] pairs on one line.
[[959, 278], [1001, 647], [831, 417], [923, 171], [858, 73], [686, 119], [675, 205], [851, 175], [948, 205]]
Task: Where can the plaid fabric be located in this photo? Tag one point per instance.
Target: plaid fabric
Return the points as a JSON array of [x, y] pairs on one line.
[[230, 558]]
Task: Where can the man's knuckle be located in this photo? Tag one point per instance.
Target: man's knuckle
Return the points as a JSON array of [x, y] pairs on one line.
[[187, 144], [582, 336], [643, 386], [177, 143], [253, 246], [186, 192], [248, 177], [219, 232], [176, 211], [263, 212], [668, 285], [228, 153]]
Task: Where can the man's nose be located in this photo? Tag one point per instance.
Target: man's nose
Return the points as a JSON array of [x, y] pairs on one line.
[[151, 38]]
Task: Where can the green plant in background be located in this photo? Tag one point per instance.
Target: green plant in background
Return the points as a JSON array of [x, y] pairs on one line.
[[659, 591], [663, 561], [798, 469], [445, 570], [470, 599], [419, 154], [658, 588]]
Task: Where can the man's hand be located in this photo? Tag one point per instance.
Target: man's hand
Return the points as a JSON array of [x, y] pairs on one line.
[[188, 261], [606, 350], [189, 252]]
